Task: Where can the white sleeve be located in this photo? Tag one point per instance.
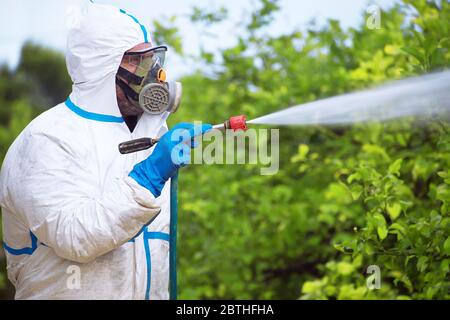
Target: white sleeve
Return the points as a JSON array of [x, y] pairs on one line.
[[55, 189]]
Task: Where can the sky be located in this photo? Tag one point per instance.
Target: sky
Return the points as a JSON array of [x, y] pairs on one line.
[[44, 21]]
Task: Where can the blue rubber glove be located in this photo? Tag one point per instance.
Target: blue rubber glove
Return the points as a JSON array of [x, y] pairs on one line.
[[171, 153]]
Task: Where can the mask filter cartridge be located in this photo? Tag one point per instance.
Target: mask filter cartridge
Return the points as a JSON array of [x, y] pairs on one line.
[[156, 98]]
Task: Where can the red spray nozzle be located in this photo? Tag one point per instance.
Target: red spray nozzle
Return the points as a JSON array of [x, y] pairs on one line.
[[234, 123], [238, 123]]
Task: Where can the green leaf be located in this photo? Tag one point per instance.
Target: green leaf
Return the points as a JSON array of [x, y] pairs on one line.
[[408, 258], [376, 150], [303, 150], [382, 232], [415, 53], [356, 191], [443, 174], [354, 177], [398, 229], [447, 247], [302, 153], [394, 210], [444, 266], [422, 263], [345, 268], [395, 167], [313, 286], [338, 246], [380, 222]]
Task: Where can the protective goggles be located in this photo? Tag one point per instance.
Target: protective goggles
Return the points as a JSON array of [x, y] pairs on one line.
[[149, 65]]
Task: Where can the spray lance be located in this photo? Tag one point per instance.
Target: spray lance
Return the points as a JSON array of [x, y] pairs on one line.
[[234, 123]]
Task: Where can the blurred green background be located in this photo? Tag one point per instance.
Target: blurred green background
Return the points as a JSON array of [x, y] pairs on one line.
[[344, 199]]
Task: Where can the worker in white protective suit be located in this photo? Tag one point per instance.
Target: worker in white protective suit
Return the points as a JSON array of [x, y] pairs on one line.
[[80, 220]]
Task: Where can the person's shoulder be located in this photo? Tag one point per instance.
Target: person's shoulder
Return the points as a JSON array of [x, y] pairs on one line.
[[53, 130], [52, 140], [58, 120]]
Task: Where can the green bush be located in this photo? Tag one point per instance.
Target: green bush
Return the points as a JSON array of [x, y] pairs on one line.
[[350, 197]]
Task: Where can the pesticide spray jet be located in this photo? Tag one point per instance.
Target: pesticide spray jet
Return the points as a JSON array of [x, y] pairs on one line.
[[424, 96]]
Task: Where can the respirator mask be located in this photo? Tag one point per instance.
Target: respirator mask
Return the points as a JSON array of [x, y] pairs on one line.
[[147, 87]]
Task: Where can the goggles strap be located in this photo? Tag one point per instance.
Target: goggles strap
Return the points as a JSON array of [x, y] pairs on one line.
[[129, 76], [126, 88]]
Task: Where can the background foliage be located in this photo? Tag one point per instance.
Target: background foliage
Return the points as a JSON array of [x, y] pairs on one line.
[[344, 198]]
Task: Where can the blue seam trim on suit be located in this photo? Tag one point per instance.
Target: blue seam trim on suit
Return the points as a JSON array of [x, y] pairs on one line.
[[92, 115], [148, 258], [157, 235], [18, 252], [144, 31], [151, 236]]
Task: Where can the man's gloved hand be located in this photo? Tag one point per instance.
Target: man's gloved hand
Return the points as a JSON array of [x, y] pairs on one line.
[[171, 153]]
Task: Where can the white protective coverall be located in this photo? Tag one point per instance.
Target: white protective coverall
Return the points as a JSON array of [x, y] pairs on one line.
[[74, 223]]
